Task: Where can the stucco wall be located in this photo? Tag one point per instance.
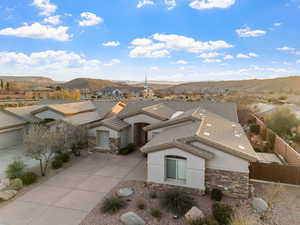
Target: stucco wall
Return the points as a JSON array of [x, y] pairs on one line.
[[49, 114], [124, 134], [223, 160], [140, 118], [195, 168], [11, 137], [151, 133], [112, 133]]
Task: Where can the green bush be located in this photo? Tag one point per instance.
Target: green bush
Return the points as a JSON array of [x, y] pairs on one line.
[[15, 169], [112, 204], [64, 157], [254, 128], [16, 184], [222, 213], [29, 178], [141, 205], [203, 221], [216, 194], [128, 149], [57, 163], [155, 213], [176, 201]]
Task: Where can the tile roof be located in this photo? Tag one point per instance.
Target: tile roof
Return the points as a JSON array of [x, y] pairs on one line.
[[114, 123], [9, 121], [25, 112], [82, 118], [205, 127]]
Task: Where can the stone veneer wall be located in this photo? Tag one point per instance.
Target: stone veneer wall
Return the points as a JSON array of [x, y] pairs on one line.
[[233, 184], [114, 144], [92, 142]]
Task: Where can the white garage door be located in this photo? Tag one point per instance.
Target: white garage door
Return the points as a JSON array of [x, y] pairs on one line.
[[103, 139], [11, 138]]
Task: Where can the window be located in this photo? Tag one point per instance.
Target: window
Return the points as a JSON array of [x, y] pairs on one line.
[[176, 168]]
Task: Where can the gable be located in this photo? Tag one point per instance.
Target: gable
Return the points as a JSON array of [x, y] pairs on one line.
[[49, 114]]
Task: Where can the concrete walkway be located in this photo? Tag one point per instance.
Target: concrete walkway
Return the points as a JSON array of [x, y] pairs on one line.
[[68, 197]]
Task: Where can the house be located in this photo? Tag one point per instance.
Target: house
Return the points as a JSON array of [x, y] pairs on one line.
[[188, 144], [196, 145]]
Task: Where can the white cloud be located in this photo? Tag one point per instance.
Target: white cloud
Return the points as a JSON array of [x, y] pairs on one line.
[[144, 47], [52, 20], [247, 32], [208, 4], [297, 53], [112, 62], [47, 8], [111, 44], [246, 56], [277, 24], [171, 4], [209, 55], [141, 4], [285, 48], [89, 19], [212, 61], [252, 54], [182, 62], [228, 57], [162, 44], [298, 61], [38, 31], [141, 41], [155, 68]]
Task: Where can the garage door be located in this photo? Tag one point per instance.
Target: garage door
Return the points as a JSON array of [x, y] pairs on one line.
[[11, 138], [103, 139]]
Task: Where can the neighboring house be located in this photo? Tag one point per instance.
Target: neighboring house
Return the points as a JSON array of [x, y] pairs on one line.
[[120, 92]]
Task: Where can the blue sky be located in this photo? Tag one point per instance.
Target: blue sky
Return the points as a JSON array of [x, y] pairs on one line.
[[178, 40]]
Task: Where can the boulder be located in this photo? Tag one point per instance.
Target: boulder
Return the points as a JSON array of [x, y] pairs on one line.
[[6, 195], [131, 218], [4, 183], [125, 192], [259, 205], [194, 213]]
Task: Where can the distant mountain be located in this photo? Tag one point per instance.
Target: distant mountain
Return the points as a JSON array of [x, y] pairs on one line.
[[255, 85], [92, 84], [29, 81]]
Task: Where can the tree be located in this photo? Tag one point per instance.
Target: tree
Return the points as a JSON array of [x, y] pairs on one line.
[[42, 143], [282, 121]]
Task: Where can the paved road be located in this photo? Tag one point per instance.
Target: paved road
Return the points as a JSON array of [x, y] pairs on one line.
[[68, 197]]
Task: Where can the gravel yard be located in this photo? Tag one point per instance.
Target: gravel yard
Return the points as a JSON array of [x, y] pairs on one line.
[[287, 203]]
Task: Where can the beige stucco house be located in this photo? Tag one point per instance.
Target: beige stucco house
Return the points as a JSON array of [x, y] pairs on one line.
[[196, 145]]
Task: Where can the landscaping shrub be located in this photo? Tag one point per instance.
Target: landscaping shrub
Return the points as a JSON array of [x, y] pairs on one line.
[[222, 213], [203, 221], [153, 194], [176, 201], [128, 149], [57, 163], [254, 128], [141, 205], [29, 178], [216, 194], [16, 184], [155, 213], [112, 204], [15, 169], [64, 157]]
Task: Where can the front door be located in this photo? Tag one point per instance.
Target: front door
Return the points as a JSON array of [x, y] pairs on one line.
[[140, 136]]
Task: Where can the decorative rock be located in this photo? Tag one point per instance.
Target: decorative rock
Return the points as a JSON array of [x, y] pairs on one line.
[[194, 213], [259, 205], [131, 218], [4, 183], [125, 192], [6, 195]]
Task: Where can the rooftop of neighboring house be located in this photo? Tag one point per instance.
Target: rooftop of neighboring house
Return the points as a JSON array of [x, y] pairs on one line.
[[9, 121]]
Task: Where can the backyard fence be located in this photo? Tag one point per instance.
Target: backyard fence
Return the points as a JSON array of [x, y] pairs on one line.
[[275, 173]]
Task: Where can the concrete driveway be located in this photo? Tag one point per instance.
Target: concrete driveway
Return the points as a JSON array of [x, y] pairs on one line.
[[10, 154], [68, 197]]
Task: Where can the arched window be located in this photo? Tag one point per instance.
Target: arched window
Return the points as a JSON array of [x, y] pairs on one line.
[[175, 168]]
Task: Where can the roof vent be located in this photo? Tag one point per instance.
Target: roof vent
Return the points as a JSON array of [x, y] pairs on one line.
[[206, 134], [241, 147]]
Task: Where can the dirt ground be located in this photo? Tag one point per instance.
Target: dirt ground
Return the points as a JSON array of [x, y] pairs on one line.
[[285, 203]]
